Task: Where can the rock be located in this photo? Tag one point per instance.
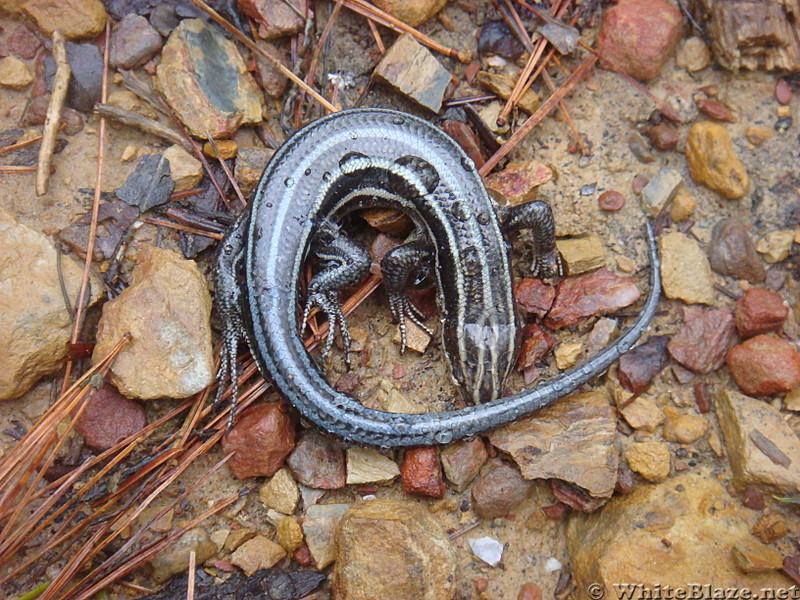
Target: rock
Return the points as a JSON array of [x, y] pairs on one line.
[[573, 497], [536, 344], [567, 354], [683, 206], [133, 42], [776, 246], [221, 149], [757, 135], [496, 38], [715, 110], [693, 54], [499, 492], [469, 141], [650, 459], [599, 293], [205, 81], [684, 429], [269, 77], [752, 557], [792, 400], [262, 438], [167, 310], [643, 414], [417, 339], [411, 12], [109, 418], [280, 492], [174, 559], [759, 311], [765, 365], [783, 92], [365, 465], [77, 19], [275, 18], [530, 591], [663, 136], [791, 567], [462, 461], [318, 461], [237, 537], [685, 270], [518, 182], [184, 169], [23, 42], [660, 190], [15, 73], [409, 68], [35, 326], [603, 332], [389, 399], [503, 85], [704, 340], [250, 164], [753, 499], [693, 512], [732, 252], [149, 185], [573, 439], [86, 79], [582, 254], [421, 472], [713, 162], [393, 551], [534, 296], [763, 451], [639, 36], [487, 549], [611, 200], [289, 534], [319, 527], [257, 553], [639, 366], [770, 527], [388, 220]]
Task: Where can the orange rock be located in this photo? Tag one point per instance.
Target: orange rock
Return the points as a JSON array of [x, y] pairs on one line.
[[765, 365]]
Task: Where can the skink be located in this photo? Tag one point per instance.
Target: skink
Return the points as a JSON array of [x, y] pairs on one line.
[[375, 157]]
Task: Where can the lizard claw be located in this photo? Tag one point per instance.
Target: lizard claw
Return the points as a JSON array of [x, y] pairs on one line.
[[402, 308]]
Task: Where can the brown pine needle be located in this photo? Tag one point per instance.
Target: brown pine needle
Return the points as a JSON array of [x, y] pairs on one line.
[[16, 169], [539, 115], [179, 227], [18, 145], [77, 322], [371, 12]]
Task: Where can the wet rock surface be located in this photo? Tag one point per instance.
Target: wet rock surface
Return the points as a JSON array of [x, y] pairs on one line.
[[639, 36], [704, 339], [765, 365], [572, 440], [499, 491], [392, 550], [685, 271], [109, 418], [763, 450], [167, 311], [713, 162], [606, 546], [35, 325], [262, 439], [732, 252], [205, 81]]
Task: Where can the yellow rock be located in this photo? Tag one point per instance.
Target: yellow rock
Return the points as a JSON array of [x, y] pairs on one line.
[[757, 134], [77, 19], [184, 169], [683, 206], [713, 162], [624, 542], [582, 254], [227, 149], [411, 12], [567, 354], [15, 73], [257, 553], [289, 534], [650, 459], [776, 246]]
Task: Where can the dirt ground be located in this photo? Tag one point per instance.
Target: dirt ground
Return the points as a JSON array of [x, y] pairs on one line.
[[606, 111]]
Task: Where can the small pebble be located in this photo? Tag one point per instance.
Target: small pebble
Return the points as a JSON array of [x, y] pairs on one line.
[[611, 200], [530, 591], [683, 206], [552, 564], [487, 549], [783, 125], [715, 110], [783, 93], [757, 135]]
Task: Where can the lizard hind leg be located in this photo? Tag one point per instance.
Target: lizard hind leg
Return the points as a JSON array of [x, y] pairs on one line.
[[538, 217], [397, 268], [342, 263]]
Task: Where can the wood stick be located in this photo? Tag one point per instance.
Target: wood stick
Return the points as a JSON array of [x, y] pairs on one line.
[[145, 124], [53, 119]]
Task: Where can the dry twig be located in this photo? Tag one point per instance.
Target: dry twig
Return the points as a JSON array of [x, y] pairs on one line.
[[53, 119], [147, 125]]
